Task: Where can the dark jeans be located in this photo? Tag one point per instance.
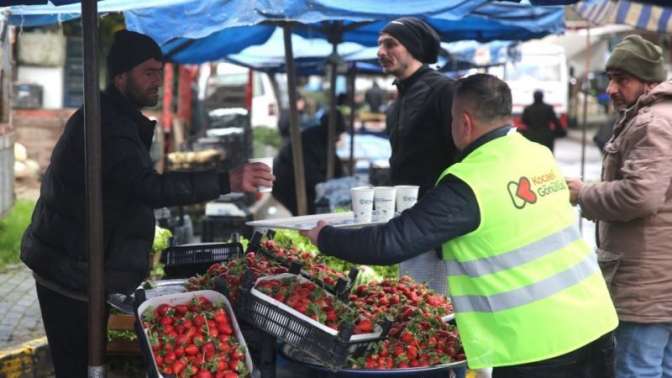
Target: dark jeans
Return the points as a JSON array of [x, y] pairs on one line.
[[595, 360], [66, 324]]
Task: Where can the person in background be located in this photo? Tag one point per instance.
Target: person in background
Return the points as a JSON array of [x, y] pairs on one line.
[[304, 118], [529, 297], [314, 145], [375, 98], [633, 208], [422, 146], [53, 245], [542, 125]]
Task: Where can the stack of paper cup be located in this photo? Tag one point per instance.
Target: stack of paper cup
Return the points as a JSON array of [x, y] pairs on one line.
[[383, 203], [362, 203], [407, 196], [269, 162]]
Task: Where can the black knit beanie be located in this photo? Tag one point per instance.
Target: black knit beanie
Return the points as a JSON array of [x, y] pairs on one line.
[[420, 39], [130, 49], [640, 58]]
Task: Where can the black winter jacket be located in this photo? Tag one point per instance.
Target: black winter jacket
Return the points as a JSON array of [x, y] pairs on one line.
[[314, 144], [53, 245], [419, 126]]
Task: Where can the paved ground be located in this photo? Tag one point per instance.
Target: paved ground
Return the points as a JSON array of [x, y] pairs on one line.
[[20, 320]]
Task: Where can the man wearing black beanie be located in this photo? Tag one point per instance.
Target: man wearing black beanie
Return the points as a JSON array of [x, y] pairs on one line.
[[418, 122], [53, 245]]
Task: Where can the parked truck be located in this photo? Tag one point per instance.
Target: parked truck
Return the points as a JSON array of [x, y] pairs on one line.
[[542, 66]]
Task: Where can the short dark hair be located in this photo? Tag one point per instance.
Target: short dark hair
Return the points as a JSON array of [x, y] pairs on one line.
[[488, 97], [538, 95]]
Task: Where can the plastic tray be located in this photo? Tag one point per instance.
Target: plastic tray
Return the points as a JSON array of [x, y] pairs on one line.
[[325, 344], [174, 299], [307, 222], [186, 260]]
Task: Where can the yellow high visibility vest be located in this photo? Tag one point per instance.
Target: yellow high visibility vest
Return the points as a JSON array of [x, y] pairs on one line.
[[524, 284]]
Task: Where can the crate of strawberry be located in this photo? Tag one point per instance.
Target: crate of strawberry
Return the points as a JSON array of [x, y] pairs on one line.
[[303, 314], [192, 334], [232, 272], [399, 299], [418, 343], [312, 266], [420, 347]]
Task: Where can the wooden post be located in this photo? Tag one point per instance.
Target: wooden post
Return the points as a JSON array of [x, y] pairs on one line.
[[294, 132], [97, 329]]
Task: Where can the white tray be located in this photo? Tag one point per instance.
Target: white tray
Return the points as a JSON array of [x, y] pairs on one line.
[[307, 222], [182, 298]]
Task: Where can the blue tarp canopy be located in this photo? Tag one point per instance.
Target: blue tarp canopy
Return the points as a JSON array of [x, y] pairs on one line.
[[47, 14], [199, 31], [496, 21], [201, 18]]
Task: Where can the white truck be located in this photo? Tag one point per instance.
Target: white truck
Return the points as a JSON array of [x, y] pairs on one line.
[[542, 66]]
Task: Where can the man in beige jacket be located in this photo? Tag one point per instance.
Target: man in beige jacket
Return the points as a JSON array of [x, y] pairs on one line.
[[633, 208]]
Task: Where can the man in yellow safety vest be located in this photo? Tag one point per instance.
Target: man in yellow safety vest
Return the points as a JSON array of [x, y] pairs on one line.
[[529, 298]]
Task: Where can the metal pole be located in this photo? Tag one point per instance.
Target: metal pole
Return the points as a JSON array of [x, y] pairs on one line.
[[294, 132], [93, 188], [351, 80], [331, 134], [586, 86]]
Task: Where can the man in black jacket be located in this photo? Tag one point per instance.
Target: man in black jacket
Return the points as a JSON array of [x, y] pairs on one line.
[[418, 121], [53, 245], [542, 124]]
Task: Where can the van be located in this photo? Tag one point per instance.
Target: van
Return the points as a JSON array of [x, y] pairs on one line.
[[542, 66], [234, 86]]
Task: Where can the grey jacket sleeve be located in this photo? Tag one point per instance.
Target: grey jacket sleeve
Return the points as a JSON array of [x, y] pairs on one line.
[[445, 212]]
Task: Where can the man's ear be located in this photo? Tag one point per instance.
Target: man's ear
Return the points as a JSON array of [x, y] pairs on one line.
[[468, 123]]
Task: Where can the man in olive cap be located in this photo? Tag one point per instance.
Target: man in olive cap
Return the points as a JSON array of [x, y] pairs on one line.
[[53, 246], [633, 208], [418, 122]]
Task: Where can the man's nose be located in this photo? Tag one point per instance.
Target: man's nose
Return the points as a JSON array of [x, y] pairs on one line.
[[612, 88]]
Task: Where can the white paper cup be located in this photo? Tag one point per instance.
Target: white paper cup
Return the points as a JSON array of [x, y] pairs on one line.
[[383, 202], [407, 196], [269, 162], [362, 203]]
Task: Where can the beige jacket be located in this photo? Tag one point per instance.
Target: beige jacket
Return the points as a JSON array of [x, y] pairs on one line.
[[633, 205]]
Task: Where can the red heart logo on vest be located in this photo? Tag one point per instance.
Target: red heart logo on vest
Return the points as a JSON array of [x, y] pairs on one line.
[[524, 191]]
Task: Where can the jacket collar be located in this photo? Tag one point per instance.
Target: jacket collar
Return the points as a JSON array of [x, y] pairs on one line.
[[126, 108], [485, 138], [403, 85]]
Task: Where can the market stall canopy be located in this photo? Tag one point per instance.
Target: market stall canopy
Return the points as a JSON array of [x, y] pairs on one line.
[[309, 54], [47, 14], [654, 18], [207, 27], [488, 22], [496, 21]]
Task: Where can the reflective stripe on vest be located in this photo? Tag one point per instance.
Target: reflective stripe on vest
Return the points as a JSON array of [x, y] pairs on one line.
[[517, 256], [528, 294]]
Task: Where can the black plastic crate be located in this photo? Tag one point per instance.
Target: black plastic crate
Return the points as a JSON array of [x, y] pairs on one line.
[[343, 285], [330, 349], [222, 227], [186, 260]]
